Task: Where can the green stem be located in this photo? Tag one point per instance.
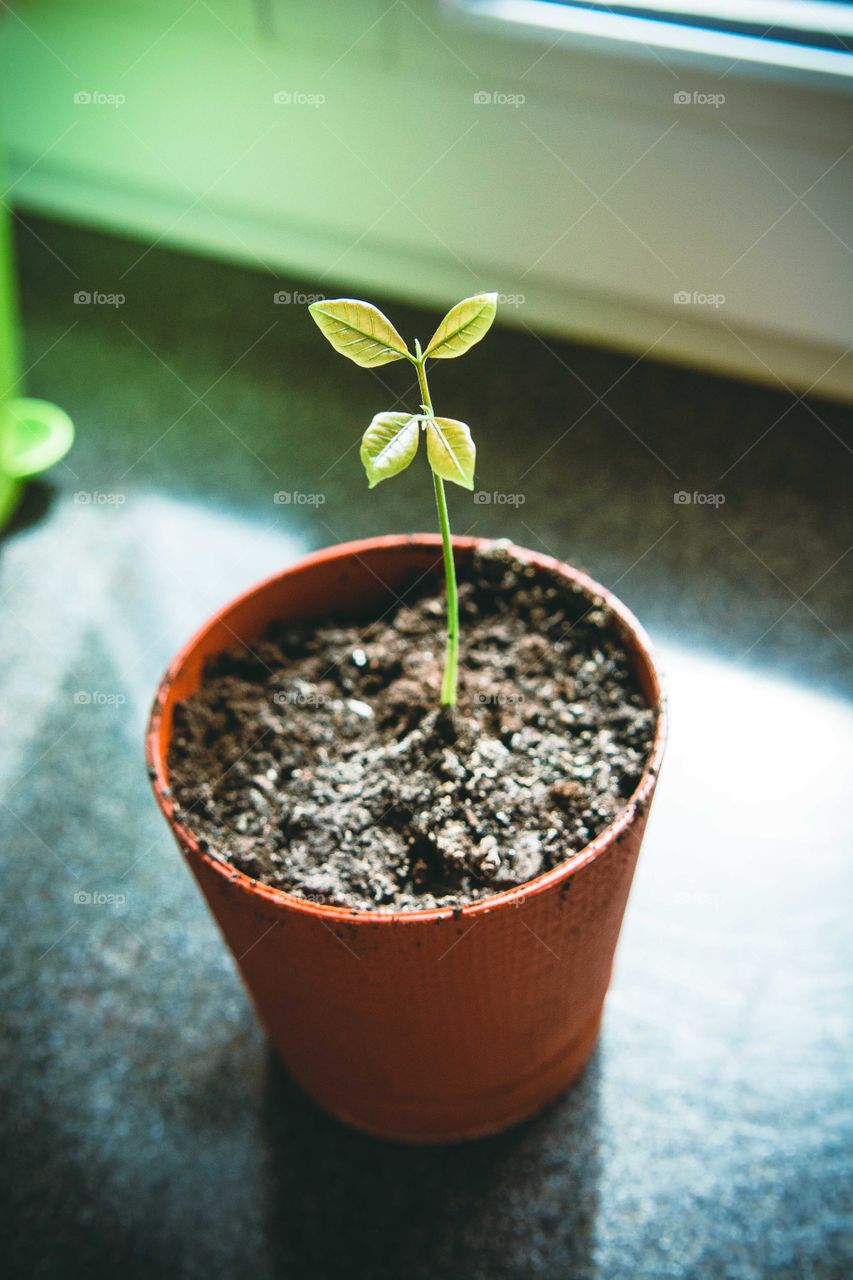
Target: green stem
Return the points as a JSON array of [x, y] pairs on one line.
[[448, 684], [451, 662]]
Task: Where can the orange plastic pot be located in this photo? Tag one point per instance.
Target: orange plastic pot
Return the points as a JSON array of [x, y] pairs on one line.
[[422, 1026]]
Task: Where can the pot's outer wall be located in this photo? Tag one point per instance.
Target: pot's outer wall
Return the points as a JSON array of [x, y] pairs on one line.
[[427, 1026], [436, 1033]]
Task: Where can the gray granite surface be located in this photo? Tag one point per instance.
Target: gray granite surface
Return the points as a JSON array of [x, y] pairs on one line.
[[146, 1130]]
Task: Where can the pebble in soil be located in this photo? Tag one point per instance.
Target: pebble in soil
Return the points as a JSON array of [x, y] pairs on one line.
[[320, 762]]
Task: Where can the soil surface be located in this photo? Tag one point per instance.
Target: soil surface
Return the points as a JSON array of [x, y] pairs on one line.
[[321, 762]]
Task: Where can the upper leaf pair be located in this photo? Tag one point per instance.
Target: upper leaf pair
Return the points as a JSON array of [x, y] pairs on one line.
[[360, 331], [391, 442]]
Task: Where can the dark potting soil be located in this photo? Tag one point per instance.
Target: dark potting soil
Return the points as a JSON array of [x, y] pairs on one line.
[[320, 762]]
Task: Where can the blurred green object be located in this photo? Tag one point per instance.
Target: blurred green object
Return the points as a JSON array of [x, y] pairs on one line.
[[33, 433]]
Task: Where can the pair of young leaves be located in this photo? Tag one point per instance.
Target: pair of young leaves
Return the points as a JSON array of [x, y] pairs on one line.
[[361, 332]]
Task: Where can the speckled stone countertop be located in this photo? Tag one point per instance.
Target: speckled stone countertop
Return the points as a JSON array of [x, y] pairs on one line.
[[147, 1132]]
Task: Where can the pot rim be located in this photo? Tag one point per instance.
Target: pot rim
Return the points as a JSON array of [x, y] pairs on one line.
[[512, 897]]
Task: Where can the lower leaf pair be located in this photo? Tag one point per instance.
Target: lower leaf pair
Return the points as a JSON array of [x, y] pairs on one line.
[[391, 441]]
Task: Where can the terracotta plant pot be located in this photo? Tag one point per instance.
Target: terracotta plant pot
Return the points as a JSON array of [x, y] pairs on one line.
[[422, 1026]]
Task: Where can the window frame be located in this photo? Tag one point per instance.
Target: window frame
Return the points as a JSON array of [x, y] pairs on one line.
[[642, 39]]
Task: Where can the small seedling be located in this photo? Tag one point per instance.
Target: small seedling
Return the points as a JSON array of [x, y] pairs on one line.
[[362, 333]]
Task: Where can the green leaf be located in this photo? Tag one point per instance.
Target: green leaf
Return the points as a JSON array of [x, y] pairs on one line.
[[451, 451], [359, 331], [388, 445], [464, 324]]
